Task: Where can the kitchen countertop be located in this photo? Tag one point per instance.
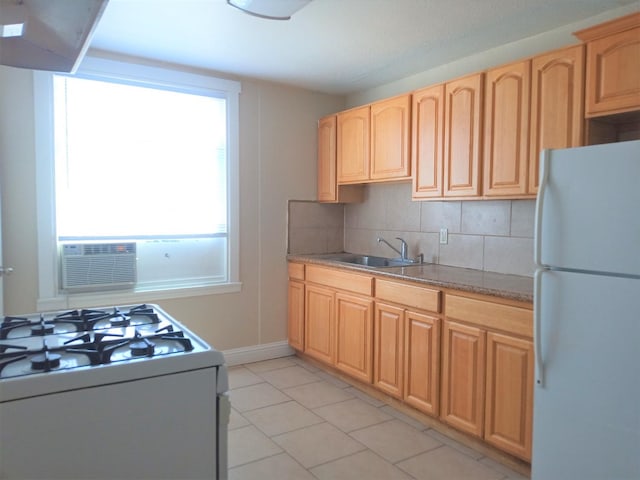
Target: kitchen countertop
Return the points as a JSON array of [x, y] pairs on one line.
[[512, 287]]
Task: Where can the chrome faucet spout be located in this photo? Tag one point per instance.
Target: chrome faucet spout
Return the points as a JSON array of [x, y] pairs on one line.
[[401, 253]]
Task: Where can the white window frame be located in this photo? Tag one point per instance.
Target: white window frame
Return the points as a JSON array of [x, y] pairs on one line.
[[50, 297]]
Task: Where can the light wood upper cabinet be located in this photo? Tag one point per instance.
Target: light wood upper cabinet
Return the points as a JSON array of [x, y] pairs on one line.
[[613, 66], [463, 123], [354, 336], [353, 145], [427, 138], [463, 377], [327, 181], [390, 133], [509, 397], [422, 362], [506, 130], [328, 189], [557, 105]]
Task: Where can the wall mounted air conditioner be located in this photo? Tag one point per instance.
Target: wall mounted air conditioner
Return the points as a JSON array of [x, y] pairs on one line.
[[98, 266]]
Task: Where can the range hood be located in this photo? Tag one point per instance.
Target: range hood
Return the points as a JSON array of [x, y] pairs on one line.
[[49, 35]]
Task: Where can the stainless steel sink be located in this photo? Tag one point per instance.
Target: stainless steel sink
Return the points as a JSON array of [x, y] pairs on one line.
[[372, 261]]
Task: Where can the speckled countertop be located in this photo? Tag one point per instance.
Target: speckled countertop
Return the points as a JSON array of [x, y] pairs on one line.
[[511, 287]]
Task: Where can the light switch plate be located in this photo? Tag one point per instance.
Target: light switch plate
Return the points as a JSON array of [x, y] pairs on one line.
[[444, 236]]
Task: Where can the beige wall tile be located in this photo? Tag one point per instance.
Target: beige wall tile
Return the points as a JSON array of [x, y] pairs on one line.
[[486, 217], [522, 218], [464, 251], [437, 215], [509, 255]]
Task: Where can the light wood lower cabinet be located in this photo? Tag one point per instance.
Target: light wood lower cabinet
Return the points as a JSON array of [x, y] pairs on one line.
[[422, 362], [470, 363], [295, 315], [509, 394], [319, 328], [354, 336], [487, 372], [388, 349], [463, 377]]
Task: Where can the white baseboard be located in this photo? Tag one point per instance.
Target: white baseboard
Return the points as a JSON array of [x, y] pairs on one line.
[[257, 353]]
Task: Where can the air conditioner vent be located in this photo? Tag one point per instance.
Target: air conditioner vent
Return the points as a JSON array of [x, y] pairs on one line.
[[97, 266]]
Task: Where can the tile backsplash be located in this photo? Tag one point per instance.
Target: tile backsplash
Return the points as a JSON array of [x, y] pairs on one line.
[[491, 235]]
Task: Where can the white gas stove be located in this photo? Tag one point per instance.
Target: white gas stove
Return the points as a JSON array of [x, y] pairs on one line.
[[116, 386]]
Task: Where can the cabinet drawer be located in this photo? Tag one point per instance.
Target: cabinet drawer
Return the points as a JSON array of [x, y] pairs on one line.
[[352, 282], [296, 271], [491, 315], [409, 295]]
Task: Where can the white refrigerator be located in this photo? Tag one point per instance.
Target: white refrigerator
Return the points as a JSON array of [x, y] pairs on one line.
[[586, 421]]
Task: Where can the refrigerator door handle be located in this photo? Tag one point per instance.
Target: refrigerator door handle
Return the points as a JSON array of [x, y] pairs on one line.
[[545, 155], [537, 331]]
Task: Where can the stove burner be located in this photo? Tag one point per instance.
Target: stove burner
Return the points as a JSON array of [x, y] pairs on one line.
[[45, 361], [143, 347], [42, 328]]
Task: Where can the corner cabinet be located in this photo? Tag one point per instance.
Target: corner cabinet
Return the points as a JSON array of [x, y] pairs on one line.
[[613, 66], [328, 189], [462, 136], [353, 145], [487, 374]]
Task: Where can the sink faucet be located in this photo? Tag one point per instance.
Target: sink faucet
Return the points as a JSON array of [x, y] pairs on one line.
[[403, 250]]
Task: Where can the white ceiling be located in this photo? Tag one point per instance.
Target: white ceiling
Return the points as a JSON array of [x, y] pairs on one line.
[[333, 46]]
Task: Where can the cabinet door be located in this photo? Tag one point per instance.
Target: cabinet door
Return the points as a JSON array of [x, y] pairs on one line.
[[427, 136], [463, 377], [327, 186], [422, 362], [388, 349], [557, 104], [509, 397], [462, 131], [319, 328], [390, 132], [354, 336], [613, 73], [506, 130], [353, 133], [296, 315]]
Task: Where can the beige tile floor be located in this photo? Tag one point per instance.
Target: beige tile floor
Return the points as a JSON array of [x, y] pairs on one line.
[[290, 420]]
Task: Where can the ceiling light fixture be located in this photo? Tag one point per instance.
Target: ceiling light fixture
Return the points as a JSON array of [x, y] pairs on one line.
[[269, 9], [13, 18]]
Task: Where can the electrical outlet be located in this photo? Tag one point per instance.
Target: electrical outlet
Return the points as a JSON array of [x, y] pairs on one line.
[[444, 236]]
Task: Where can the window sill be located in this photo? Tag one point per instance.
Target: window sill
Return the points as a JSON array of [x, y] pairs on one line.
[[95, 299]]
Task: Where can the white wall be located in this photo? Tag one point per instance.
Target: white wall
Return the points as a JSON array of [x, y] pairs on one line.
[[504, 54], [277, 163]]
